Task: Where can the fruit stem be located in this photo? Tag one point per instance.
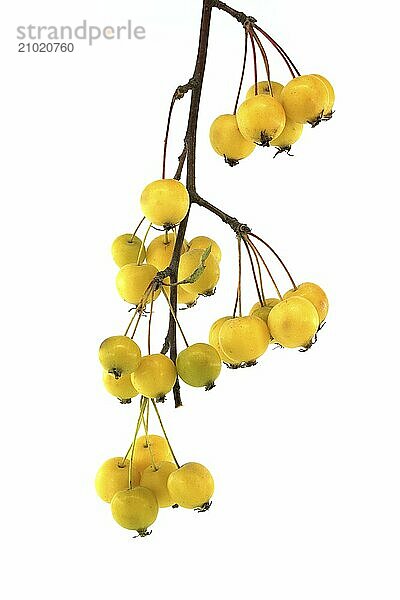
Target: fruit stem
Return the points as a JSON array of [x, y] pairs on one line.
[[146, 433], [143, 243], [132, 448], [164, 432], [246, 40], [256, 251], [139, 309], [260, 292], [175, 317], [277, 256], [137, 229], [289, 63], [150, 318], [255, 61], [239, 288], [265, 59]]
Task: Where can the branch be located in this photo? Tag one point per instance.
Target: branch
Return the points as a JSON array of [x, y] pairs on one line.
[[188, 155], [238, 227], [239, 16]]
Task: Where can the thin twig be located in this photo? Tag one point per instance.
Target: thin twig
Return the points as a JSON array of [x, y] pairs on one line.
[[277, 256], [255, 249], [179, 93], [150, 318], [255, 62], [265, 59], [164, 432], [290, 64], [239, 288], [246, 39], [259, 293], [137, 229], [175, 317]]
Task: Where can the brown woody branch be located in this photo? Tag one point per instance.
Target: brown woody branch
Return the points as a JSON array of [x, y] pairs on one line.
[[188, 155]]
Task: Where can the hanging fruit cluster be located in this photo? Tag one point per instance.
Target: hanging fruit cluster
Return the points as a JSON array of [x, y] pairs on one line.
[[272, 114], [181, 272]]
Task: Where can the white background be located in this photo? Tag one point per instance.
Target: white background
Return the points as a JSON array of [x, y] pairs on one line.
[[304, 448]]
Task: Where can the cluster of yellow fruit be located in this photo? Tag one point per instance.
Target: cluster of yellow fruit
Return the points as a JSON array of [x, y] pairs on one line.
[[272, 115], [292, 322], [165, 203], [127, 374], [149, 478]]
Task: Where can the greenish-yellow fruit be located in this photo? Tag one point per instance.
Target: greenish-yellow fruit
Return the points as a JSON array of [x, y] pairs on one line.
[[119, 355], [155, 479], [191, 486], [262, 312], [148, 448], [113, 477], [133, 283], [206, 282], [161, 249], [202, 242], [199, 365], [120, 388], [155, 376], [127, 249], [135, 509]]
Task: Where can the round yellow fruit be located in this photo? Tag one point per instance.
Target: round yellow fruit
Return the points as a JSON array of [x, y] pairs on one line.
[[133, 282], [165, 202], [331, 96], [244, 339], [201, 242], [155, 376], [264, 88], [191, 485], [199, 365], [188, 297], [262, 312], [293, 322], [261, 119], [305, 99], [135, 509], [113, 477], [161, 249], [291, 133], [213, 339], [126, 250], [227, 140], [119, 355], [313, 293], [120, 388], [159, 450], [155, 479], [205, 284]]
